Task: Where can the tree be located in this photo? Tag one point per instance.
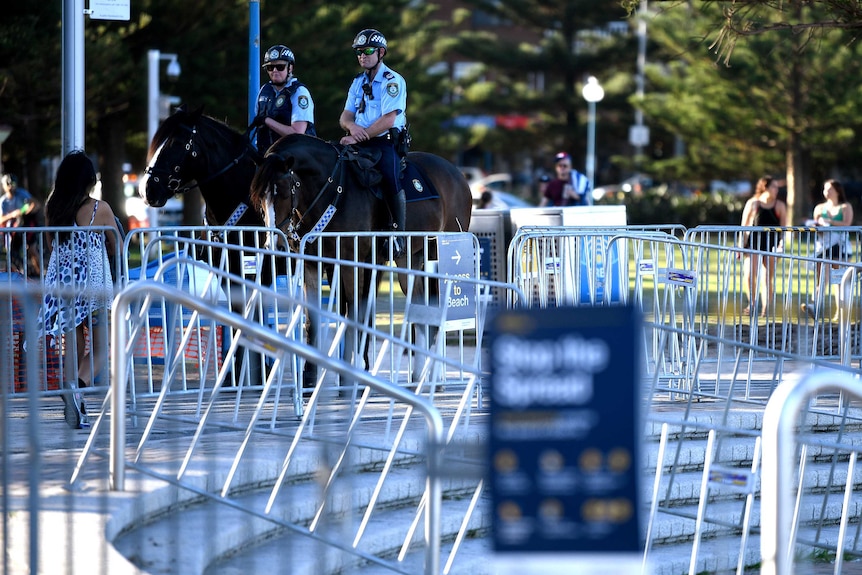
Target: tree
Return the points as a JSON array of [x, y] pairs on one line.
[[534, 62], [778, 101], [30, 88]]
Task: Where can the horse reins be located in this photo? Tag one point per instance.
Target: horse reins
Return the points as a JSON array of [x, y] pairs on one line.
[[293, 225]]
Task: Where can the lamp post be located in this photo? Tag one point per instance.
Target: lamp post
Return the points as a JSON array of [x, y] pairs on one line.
[[593, 92], [154, 97]]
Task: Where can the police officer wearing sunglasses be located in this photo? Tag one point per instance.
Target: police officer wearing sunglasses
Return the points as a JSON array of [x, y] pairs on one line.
[[374, 116], [284, 104]]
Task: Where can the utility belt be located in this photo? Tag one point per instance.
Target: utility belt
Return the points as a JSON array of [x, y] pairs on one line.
[[400, 140]]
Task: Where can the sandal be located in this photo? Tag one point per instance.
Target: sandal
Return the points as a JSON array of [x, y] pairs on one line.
[[71, 410]]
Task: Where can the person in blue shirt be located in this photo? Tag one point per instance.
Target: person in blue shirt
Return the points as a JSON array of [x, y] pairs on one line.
[[18, 208], [374, 116], [15, 203], [284, 104]]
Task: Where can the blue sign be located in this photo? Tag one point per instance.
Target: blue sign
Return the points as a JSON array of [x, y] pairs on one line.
[[457, 258], [485, 247], [564, 452], [592, 257]]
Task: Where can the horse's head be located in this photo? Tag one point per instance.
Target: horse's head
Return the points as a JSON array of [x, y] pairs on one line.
[[288, 180], [171, 158]]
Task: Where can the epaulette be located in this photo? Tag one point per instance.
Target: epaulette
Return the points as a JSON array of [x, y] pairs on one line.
[[358, 75], [388, 75]]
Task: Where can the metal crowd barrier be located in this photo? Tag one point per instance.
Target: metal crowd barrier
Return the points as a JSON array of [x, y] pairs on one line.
[[23, 264], [379, 408]]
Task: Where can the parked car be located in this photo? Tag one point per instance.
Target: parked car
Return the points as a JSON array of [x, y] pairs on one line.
[[637, 183], [503, 201], [500, 185], [734, 187], [471, 174]]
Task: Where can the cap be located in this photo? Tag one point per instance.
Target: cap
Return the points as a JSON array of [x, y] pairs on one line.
[[561, 156]]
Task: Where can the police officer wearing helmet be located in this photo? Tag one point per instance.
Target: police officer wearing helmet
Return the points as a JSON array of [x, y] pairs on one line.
[[284, 104], [374, 116]]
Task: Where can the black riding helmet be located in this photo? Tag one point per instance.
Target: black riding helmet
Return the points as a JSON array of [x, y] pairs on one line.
[[279, 52], [369, 37]]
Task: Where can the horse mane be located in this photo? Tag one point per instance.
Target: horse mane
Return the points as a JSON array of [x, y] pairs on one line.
[[267, 171], [182, 117]]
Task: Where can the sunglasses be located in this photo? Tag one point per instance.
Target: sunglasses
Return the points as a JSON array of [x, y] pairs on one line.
[[279, 67], [564, 166], [366, 51]]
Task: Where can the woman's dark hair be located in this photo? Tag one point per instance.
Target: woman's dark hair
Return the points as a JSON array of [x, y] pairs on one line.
[[839, 190], [762, 185], [76, 178]]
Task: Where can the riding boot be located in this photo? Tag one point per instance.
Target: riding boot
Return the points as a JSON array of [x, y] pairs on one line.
[[398, 209]]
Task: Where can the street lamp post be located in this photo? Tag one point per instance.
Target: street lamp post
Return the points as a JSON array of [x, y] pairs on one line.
[[154, 97], [593, 92]]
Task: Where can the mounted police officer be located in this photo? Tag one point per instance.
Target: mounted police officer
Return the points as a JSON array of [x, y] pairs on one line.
[[284, 104], [374, 116]]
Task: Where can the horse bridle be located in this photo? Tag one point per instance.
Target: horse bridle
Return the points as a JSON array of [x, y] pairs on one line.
[[294, 218], [175, 184]]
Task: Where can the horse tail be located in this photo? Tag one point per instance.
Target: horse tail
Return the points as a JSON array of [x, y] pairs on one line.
[[270, 170]]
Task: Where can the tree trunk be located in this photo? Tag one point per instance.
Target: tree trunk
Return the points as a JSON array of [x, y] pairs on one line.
[[112, 141]]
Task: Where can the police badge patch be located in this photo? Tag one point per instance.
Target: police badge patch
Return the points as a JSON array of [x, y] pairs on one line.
[[417, 185], [392, 89], [303, 102], [279, 102]]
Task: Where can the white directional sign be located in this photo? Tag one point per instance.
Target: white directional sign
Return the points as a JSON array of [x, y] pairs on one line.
[[458, 259]]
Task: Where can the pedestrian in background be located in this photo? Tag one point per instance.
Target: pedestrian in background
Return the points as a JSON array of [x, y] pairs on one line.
[[79, 264], [486, 199], [763, 209], [18, 208], [835, 211], [569, 187], [15, 203]]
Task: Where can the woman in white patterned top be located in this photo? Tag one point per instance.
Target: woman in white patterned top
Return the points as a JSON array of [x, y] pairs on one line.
[[78, 282]]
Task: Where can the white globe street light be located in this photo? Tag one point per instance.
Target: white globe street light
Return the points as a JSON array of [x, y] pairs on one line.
[[593, 92], [154, 97]]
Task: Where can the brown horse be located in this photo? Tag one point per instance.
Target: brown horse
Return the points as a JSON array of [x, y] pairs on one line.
[[302, 176]]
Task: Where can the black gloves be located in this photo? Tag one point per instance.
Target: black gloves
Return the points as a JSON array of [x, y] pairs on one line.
[[259, 121]]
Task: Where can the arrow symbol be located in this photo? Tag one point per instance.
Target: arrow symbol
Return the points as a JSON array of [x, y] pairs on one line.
[[457, 257]]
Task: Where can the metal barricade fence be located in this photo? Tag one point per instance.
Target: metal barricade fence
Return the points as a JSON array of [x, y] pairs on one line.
[[361, 440], [422, 253], [711, 370], [204, 351], [29, 273]]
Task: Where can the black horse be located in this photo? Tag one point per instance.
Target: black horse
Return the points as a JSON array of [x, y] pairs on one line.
[[302, 176], [191, 150]]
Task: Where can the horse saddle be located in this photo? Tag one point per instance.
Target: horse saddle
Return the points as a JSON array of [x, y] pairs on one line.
[[362, 165], [360, 162]]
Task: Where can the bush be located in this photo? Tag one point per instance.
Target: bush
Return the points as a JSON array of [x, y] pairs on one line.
[[657, 206]]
